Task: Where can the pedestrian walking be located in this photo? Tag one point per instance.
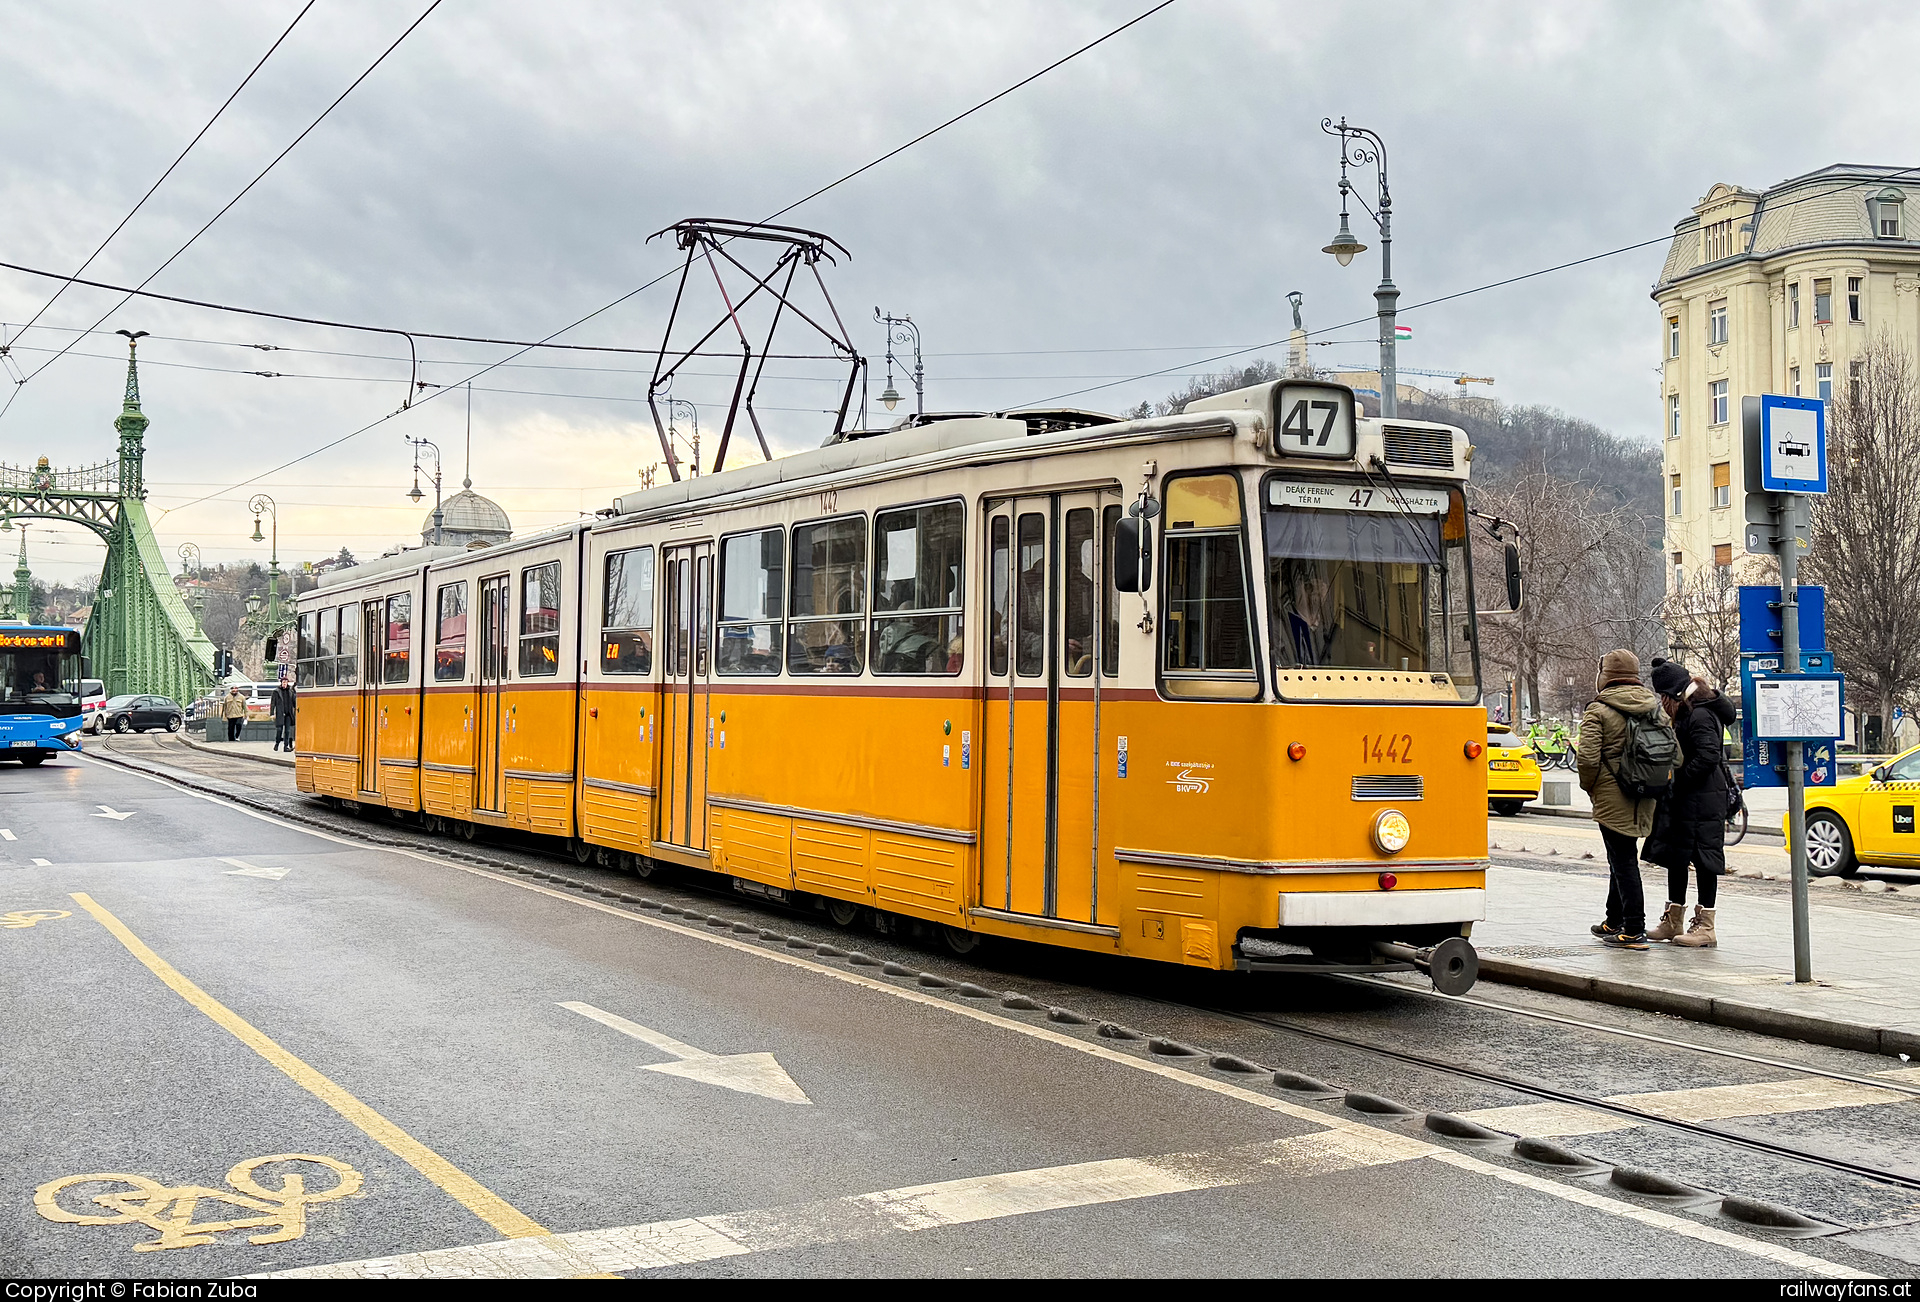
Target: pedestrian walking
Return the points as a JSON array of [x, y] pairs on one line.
[[234, 711], [1690, 828], [1625, 770], [284, 706]]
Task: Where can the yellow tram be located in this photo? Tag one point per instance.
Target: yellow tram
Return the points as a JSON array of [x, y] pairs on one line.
[[1201, 688]]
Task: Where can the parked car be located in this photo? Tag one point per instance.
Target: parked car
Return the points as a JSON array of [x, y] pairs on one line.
[[93, 702], [1864, 820], [1513, 775], [139, 713], [260, 702]]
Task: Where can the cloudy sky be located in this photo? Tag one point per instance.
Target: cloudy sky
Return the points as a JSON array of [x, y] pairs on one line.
[[1141, 209]]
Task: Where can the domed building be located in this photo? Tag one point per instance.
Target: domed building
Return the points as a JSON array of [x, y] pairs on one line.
[[468, 518]]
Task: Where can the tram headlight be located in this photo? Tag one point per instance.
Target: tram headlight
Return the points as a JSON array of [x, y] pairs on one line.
[[1391, 831]]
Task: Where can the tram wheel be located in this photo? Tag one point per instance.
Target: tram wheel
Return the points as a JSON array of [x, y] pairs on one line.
[[582, 852], [959, 941], [644, 867], [467, 831], [844, 913]]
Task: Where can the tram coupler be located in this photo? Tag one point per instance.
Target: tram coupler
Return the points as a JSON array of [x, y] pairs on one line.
[[1453, 964]]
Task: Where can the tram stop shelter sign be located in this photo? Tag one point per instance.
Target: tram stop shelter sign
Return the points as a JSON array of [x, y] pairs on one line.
[[1787, 444]]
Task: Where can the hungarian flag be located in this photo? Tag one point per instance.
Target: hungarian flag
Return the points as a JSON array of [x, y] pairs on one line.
[[1402, 332]]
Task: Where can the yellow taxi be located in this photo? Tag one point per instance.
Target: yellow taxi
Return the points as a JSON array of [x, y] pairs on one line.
[[1867, 819], [1513, 775]]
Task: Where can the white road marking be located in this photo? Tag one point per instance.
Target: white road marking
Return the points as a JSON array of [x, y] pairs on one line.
[[1797, 1261], [1763, 1098], [890, 1211], [5, 835], [747, 1073], [108, 811], [1911, 1074], [43, 863], [244, 869]]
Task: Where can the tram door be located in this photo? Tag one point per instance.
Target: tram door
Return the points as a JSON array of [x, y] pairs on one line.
[[1040, 744], [373, 641], [685, 729], [490, 712]]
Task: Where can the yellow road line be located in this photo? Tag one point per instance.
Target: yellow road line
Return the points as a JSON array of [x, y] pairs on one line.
[[469, 1192]]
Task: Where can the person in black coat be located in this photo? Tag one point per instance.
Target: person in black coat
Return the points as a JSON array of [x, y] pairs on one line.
[[1690, 826], [285, 705]]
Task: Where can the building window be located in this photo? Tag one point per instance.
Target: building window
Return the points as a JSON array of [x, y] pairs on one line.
[[1855, 313], [1823, 378], [1673, 415], [626, 613], [1793, 306], [1673, 336], [1679, 572], [1717, 402], [1723, 560], [1884, 210], [1719, 240], [1675, 481], [1717, 321], [1823, 302], [1793, 380], [1722, 484], [1856, 382]]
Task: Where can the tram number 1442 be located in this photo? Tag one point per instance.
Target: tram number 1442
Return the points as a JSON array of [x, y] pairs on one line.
[[1386, 748]]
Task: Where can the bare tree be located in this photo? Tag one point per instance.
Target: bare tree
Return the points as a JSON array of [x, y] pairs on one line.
[[1866, 543], [1703, 623]]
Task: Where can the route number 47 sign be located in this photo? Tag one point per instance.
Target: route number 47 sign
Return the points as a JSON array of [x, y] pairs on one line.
[[1797, 707]]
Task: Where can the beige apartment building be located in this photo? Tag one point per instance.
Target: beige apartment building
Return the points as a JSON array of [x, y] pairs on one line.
[[1771, 291]]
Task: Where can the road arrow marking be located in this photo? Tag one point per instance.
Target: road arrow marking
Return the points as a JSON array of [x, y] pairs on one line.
[[43, 863], [244, 869], [108, 811], [747, 1073], [6, 835]]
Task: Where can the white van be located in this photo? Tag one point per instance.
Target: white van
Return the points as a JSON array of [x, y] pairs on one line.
[[93, 703]]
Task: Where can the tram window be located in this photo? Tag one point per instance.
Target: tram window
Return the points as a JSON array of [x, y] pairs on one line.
[[346, 666], [752, 584], [450, 635], [997, 576], [303, 659], [1207, 637], [1077, 563], [540, 620], [1110, 645], [1030, 599], [917, 565], [826, 625], [326, 645], [626, 621], [399, 636]]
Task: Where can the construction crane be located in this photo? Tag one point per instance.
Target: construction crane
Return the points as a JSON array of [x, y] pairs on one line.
[[1458, 377]]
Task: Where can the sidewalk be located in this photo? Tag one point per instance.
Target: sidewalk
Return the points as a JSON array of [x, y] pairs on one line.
[[1866, 954], [262, 751], [1766, 806]]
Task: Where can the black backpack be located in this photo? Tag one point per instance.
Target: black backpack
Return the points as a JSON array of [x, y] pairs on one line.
[[1647, 760]]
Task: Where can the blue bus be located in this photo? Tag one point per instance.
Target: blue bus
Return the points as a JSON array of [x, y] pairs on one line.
[[40, 694]]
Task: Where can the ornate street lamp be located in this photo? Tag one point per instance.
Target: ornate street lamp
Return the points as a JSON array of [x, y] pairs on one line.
[[693, 414], [1359, 147], [263, 505], [415, 492], [902, 330]]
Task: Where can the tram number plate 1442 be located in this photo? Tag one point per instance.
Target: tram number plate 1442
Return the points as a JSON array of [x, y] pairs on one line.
[[1386, 748]]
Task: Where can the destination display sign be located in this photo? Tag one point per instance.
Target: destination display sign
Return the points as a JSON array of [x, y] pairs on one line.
[[1350, 496], [62, 639]]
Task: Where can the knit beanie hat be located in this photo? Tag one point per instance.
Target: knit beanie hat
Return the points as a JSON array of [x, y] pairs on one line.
[[1668, 678], [1616, 666]]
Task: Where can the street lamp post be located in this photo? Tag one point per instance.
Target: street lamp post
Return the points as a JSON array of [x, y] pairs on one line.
[[693, 414], [1358, 147], [190, 564], [416, 494], [902, 330], [262, 503]]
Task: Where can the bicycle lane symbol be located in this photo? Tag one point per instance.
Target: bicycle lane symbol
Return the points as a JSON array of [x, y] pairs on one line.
[[170, 1209]]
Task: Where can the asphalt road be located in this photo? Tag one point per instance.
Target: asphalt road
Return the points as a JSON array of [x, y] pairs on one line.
[[474, 1069]]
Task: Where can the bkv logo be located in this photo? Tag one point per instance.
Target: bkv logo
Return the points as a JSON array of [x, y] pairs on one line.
[[1188, 779], [282, 1212]]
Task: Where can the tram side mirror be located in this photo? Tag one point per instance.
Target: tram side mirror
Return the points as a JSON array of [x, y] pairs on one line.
[[1132, 552], [1514, 594]]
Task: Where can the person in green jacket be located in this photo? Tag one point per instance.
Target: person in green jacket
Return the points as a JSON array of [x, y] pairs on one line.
[[1623, 820]]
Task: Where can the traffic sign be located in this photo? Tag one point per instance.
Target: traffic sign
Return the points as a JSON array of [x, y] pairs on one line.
[[1786, 444], [1760, 631]]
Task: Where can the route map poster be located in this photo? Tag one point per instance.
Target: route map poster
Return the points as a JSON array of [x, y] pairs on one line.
[[1796, 706]]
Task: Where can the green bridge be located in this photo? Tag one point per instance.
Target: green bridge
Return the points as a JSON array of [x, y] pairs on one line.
[[140, 637]]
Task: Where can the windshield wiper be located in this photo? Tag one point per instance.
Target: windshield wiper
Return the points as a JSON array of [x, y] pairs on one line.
[[1400, 504]]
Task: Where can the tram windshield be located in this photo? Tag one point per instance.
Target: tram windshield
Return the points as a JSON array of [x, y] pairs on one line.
[[40, 672], [1361, 576]]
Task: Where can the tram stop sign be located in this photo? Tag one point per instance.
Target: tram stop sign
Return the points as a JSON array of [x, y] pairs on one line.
[[1786, 442]]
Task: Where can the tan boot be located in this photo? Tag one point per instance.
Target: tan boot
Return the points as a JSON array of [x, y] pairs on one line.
[[1699, 932], [1669, 925]]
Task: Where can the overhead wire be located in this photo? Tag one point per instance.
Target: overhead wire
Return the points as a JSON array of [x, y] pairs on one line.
[[609, 306], [261, 176], [139, 203]]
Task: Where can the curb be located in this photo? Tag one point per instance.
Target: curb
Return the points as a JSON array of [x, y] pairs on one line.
[[1708, 1009], [1754, 830], [236, 754]]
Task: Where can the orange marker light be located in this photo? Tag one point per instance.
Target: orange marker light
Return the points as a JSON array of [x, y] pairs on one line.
[[1297, 751], [1388, 881], [1475, 750], [593, 712]]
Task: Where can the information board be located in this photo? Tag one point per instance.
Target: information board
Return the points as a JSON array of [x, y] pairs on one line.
[[1797, 707]]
